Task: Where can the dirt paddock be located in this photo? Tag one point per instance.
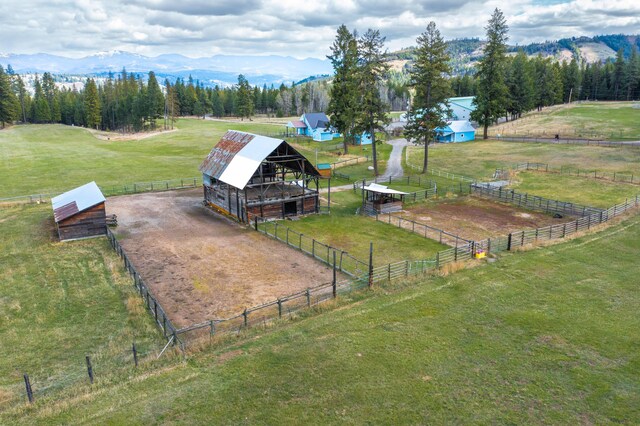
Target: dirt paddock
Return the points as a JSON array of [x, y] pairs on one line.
[[202, 266], [476, 218]]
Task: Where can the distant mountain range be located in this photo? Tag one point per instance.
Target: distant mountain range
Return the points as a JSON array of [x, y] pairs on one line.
[[218, 69], [259, 70]]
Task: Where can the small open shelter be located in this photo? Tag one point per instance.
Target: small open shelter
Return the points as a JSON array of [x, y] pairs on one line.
[[382, 199], [247, 175], [80, 213]]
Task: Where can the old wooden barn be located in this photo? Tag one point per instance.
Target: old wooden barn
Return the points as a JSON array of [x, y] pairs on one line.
[[247, 175], [80, 213]]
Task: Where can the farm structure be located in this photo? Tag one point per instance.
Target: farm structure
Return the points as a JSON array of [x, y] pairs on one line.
[[247, 175], [80, 213], [456, 131], [381, 199]]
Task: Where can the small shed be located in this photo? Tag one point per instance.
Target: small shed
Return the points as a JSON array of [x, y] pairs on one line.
[[80, 213], [456, 131], [382, 199], [247, 175]]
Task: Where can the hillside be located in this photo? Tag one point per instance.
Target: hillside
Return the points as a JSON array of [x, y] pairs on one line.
[[467, 51]]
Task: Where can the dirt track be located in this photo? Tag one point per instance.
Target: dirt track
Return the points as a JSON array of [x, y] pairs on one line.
[[202, 266], [475, 218]]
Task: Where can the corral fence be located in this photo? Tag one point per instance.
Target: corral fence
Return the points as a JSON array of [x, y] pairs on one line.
[[150, 301], [432, 189], [576, 171], [426, 231], [112, 190], [533, 202], [345, 262]]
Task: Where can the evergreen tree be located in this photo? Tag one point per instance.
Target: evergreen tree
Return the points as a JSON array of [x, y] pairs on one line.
[[632, 75], [344, 92], [521, 88], [491, 96], [617, 78], [23, 96], [216, 102], [41, 113], [155, 99], [429, 109], [9, 106], [92, 106], [372, 114], [245, 98]]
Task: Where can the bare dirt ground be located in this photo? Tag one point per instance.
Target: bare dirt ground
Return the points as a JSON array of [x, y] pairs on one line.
[[475, 218], [202, 266]]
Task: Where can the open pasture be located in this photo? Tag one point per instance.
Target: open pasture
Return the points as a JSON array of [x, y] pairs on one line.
[[588, 120], [201, 266]]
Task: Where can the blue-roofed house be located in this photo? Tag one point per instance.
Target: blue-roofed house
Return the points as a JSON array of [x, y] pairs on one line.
[[315, 125], [461, 107], [456, 131]]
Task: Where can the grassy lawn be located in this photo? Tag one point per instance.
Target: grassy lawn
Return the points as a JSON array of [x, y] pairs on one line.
[[37, 159], [479, 159], [549, 336], [60, 302], [352, 233], [595, 120], [591, 192]]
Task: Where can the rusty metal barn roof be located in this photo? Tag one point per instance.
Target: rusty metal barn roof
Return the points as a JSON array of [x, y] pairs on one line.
[[75, 201], [238, 155]]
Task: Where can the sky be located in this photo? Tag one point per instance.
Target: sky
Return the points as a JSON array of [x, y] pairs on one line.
[[199, 28]]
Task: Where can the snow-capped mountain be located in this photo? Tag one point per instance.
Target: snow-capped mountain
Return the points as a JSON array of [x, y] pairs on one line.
[[223, 68]]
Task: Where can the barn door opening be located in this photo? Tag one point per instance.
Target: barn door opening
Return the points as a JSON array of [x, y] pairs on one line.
[[290, 208]]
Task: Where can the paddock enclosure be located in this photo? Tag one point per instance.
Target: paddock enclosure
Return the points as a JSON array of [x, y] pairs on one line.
[[202, 266], [476, 218]]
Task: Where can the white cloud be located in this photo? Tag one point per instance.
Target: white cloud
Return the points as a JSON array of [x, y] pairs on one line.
[[286, 27]]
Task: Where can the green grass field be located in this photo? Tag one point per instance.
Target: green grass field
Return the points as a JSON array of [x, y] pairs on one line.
[[591, 120], [37, 159], [353, 233], [549, 336], [60, 302]]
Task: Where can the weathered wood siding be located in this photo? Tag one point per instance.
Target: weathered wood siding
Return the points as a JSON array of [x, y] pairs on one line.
[[276, 209], [89, 223]]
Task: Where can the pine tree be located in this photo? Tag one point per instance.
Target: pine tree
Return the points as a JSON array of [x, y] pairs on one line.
[[491, 96], [245, 98], [9, 106], [343, 103], [91, 104], [429, 109], [372, 114], [632, 75], [41, 113], [521, 88], [155, 99], [617, 78], [216, 102]]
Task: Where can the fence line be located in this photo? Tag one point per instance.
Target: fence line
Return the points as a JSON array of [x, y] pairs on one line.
[[571, 171], [569, 141], [108, 191], [156, 310], [533, 202], [432, 189], [423, 230]]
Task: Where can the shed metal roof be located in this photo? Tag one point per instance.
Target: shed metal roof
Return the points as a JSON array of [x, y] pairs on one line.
[[459, 126], [238, 155], [381, 189], [75, 201]]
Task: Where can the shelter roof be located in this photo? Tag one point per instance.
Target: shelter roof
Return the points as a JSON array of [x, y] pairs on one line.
[[297, 124], [381, 189], [75, 201]]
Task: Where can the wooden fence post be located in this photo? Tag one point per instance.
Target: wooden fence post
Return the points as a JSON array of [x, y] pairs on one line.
[[245, 314], [308, 294], [334, 282], [135, 354], [370, 264], [279, 308], [89, 369], [27, 384], [509, 242]]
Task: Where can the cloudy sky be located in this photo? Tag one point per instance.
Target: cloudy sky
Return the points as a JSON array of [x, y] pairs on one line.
[[302, 29]]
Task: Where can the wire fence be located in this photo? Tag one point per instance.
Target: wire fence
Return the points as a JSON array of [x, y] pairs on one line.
[[112, 190], [563, 140], [424, 230], [533, 202], [578, 172]]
